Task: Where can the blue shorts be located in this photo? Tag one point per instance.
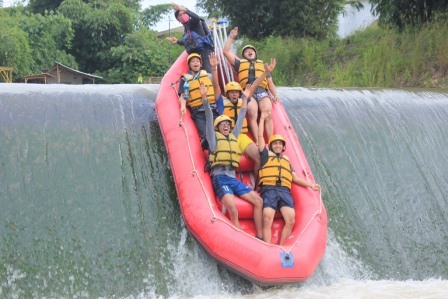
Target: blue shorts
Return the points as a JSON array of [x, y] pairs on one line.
[[223, 184], [276, 197]]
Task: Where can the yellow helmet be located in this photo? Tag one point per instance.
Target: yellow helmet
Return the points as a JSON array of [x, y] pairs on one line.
[[276, 137], [191, 56], [233, 86], [220, 119], [248, 47]]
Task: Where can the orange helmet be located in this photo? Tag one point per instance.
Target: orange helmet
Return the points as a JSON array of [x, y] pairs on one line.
[[233, 86], [275, 138], [220, 119]]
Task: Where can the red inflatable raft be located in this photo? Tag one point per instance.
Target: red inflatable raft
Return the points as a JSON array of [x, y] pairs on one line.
[[239, 250]]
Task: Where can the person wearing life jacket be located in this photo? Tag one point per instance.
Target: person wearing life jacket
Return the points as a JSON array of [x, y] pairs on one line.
[[224, 158], [276, 176], [190, 95], [196, 38], [249, 67], [231, 106]]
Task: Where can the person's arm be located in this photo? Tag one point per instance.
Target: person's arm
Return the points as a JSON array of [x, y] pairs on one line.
[[194, 18], [242, 114], [302, 182], [261, 144], [226, 50], [173, 40], [214, 62], [273, 89], [209, 129], [180, 93]]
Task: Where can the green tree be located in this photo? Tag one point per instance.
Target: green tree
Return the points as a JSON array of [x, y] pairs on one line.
[[15, 50], [40, 6], [152, 15], [32, 42], [141, 52], [402, 13], [295, 18], [98, 26]]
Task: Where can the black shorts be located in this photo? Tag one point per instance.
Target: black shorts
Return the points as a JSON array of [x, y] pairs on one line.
[[276, 197]]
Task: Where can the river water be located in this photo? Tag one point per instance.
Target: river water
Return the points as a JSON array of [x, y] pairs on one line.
[[89, 210]]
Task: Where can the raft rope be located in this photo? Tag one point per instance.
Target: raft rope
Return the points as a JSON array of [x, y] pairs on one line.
[[220, 38]]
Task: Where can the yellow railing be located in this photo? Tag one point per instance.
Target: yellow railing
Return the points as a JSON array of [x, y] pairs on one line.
[[6, 72]]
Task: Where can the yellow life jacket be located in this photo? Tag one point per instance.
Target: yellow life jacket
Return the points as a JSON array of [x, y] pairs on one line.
[[194, 94], [233, 110], [277, 169], [227, 151], [243, 72]]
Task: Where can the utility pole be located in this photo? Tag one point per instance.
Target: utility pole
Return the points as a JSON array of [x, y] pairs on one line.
[[169, 34]]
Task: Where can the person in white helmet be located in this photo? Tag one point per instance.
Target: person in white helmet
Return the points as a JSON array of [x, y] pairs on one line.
[[249, 68], [230, 105]]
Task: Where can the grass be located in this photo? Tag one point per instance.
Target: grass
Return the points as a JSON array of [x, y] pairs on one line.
[[374, 57]]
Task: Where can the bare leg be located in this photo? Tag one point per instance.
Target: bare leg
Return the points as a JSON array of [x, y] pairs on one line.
[[252, 152], [252, 112], [256, 200], [268, 218], [229, 203], [289, 215], [265, 103]]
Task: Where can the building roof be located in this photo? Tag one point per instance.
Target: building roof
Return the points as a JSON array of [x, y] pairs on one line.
[[90, 76]]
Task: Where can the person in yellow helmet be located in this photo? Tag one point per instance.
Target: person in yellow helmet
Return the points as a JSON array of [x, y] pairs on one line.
[[224, 158], [249, 67], [231, 104], [190, 96], [275, 178], [196, 38]]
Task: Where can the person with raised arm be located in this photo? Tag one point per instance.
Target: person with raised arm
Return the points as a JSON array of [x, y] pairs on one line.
[[224, 158], [275, 178], [231, 104], [196, 37], [190, 96], [249, 67]]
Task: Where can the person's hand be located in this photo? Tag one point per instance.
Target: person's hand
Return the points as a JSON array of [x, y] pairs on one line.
[[247, 91], [233, 33], [271, 66], [203, 89], [182, 111], [178, 7], [214, 60], [265, 113], [316, 187], [172, 40]]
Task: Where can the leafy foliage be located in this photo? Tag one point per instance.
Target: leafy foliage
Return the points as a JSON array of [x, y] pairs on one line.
[[33, 42], [402, 13], [98, 26], [295, 18], [152, 15], [140, 52]]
